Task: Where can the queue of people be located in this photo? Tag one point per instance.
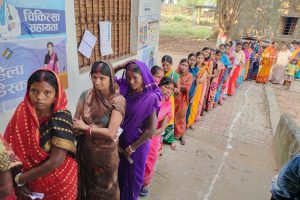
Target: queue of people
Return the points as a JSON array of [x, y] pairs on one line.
[[108, 149]]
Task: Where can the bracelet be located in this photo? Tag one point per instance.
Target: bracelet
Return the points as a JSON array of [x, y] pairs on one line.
[[89, 131], [131, 149], [17, 180]]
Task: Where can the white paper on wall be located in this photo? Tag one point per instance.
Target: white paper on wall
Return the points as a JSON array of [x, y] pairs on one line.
[[87, 44], [105, 38]]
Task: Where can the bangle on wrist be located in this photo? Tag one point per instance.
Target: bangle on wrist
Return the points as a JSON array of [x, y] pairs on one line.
[[17, 180], [129, 147], [89, 131]]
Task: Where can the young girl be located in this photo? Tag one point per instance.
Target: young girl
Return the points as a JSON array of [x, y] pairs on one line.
[[196, 100], [289, 73], [167, 62], [157, 73], [164, 116], [182, 99]]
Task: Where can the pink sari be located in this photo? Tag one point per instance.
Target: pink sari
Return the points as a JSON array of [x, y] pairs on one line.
[[165, 110], [215, 82], [53, 63]]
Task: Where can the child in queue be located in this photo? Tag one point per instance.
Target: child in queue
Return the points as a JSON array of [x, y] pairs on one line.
[[167, 63], [165, 114]]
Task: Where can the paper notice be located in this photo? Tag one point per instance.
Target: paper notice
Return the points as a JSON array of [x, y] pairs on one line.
[[87, 44], [85, 49], [105, 38]]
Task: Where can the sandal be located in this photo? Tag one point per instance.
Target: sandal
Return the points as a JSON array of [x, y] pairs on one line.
[[173, 146]]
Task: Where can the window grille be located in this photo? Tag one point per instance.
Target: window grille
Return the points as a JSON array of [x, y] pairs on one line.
[[88, 13], [289, 25]]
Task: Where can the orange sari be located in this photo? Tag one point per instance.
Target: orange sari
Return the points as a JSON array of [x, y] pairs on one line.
[[23, 134], [268, 58], [181, 104]]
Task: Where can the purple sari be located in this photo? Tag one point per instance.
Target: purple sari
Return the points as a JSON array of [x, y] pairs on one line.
[[139, 106]]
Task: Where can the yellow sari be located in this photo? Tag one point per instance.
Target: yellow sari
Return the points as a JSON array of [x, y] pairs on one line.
[[247, 64], [193, 110], [296, 54], [268, 58], [175, 76]]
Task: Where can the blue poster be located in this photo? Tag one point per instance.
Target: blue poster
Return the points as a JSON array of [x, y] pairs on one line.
[[32, 36]]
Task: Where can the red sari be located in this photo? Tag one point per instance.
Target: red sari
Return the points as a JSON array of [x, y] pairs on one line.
[[181, 104], [233, 80], [23, 134]]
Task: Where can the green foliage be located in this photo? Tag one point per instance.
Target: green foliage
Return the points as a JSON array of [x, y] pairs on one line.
[[177, 22], [178, 18], [185, 28]]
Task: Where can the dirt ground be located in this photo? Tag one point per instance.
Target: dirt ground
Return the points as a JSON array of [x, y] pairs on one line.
[[289, 100], [183, 45]]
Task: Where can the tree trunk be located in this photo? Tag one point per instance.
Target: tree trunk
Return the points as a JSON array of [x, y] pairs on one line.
[[227, 12]]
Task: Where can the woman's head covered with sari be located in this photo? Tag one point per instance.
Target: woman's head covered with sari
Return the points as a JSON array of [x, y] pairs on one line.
[[149, 84], [23, 129], [98, 102], [105, 68]]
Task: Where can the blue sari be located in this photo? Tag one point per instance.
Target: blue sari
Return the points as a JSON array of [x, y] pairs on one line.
[[226, 62], [194, 71]]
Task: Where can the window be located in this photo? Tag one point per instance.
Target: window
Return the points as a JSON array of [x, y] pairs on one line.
[[88, 13], [289, 25]]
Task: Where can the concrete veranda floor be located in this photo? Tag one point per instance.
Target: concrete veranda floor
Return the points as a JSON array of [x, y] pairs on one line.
[[228, 156]]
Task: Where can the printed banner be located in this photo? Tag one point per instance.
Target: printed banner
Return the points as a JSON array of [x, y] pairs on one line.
[[32, 36], [148, 31], [148, 56]]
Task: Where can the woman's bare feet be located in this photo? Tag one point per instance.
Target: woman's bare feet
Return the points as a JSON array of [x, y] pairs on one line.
[[173, 146], [182, 141]]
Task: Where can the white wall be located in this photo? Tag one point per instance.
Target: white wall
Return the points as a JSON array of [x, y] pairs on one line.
[[78, 82]]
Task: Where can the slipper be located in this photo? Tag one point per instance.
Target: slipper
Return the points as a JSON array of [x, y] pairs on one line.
[[173, 146], [144, 192]]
